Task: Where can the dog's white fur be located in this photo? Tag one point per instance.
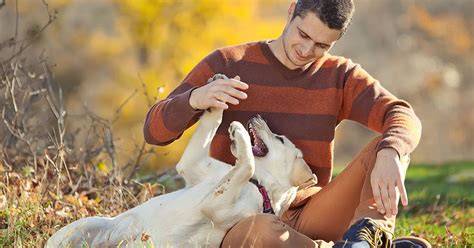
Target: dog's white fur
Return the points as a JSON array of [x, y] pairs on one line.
[[217, 195]]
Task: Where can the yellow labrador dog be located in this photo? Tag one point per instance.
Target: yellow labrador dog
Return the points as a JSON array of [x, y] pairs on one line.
[[217, 195]]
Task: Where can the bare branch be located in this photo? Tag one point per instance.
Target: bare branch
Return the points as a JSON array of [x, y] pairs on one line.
[[145, 91], [119, 109]]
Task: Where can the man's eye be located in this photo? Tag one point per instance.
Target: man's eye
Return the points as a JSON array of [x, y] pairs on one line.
[[322, 46], [304, 35], [280, 139]]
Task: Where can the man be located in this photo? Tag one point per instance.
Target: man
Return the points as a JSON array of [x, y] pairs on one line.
[[304, 92]]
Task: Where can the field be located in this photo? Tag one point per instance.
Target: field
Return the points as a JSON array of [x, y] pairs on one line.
[[441, 205]]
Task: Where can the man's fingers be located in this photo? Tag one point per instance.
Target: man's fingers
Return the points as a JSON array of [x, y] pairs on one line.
[[236, 84], [377, 197], [385, 198], [233, 92], [220, 105], [393, 198], [403, 192], [225, 98]]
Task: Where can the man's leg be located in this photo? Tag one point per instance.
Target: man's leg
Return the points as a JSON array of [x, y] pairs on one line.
[[265, 230], [326, 216], [345, 200]]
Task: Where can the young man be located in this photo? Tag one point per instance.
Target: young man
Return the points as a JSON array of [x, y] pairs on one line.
[[303, 92]]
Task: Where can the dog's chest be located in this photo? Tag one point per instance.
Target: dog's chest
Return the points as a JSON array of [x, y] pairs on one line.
[[251, 200]]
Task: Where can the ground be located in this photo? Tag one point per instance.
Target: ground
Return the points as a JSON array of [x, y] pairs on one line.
[[441, 204]]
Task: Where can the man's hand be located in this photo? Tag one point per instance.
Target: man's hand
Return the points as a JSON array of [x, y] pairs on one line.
[[218, 93], [387, 180]]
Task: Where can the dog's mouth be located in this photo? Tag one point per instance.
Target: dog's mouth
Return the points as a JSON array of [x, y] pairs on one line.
[[259, 149]]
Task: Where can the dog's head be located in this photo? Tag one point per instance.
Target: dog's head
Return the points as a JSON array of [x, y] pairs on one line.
[[278, 155]]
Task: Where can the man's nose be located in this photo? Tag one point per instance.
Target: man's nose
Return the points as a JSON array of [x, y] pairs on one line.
[[307, 49]]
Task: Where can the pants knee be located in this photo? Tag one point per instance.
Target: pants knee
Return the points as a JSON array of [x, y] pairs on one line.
[[262, 230]]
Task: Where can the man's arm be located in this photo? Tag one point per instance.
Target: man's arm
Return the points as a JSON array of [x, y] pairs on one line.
[[367, 102], [168, 119]]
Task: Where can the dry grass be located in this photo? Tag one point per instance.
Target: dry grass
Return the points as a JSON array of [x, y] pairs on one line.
[[51, 175]]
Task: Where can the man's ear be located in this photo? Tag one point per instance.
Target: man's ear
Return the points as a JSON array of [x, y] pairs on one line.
[[291, 10], [301, 173]]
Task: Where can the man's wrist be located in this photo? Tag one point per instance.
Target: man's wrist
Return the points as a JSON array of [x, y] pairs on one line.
[[191, 101], [388, 152]]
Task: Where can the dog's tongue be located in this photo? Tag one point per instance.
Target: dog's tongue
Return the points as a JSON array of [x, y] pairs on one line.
[[257, 151]]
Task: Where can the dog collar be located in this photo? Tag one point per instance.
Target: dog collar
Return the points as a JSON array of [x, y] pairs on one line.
[[267, 205]]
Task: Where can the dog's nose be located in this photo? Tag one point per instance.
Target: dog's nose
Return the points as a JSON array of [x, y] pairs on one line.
[[256, 120]]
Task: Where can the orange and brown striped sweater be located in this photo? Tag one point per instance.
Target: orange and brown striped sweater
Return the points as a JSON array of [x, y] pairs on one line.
[[306, 105]]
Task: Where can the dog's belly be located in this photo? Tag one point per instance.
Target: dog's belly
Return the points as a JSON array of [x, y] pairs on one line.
[[170, 220], [176, 220]]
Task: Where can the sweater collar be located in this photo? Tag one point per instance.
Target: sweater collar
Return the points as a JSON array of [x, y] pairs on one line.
[[285, 71]]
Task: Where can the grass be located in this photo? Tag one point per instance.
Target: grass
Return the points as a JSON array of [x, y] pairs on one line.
[[441, 207], [441, 204]]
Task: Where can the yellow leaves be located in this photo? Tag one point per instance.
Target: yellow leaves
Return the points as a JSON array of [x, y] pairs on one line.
[[102, 167], [72, 200], [145, 9], [75, 205], [161, 41]]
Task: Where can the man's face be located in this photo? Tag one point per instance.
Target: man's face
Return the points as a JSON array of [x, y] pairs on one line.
[[306, 39]]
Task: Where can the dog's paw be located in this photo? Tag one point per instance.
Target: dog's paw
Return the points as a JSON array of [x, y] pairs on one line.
[[212, 117], [217, 76], [240, 138]]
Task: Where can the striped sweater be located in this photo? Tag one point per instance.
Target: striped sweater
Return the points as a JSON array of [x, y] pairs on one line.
[[306, 105]]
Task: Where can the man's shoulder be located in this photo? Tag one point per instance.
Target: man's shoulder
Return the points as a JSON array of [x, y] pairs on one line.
[[240, 51], [338, 62]]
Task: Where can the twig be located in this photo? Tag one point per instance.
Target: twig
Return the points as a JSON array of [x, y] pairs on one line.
[[119, 109], [145, 91], [137, 161]]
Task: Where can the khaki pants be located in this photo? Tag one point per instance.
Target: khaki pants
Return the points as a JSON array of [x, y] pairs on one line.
[[325, 215]]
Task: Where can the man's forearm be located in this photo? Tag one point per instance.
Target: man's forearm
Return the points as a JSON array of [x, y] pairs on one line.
[[169, 118], [401, 131]]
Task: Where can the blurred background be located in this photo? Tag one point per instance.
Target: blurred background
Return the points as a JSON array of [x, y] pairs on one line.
[[115, 58], [78, 77]]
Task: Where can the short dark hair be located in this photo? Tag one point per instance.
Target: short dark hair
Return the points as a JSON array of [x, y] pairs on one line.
[[336, 14]]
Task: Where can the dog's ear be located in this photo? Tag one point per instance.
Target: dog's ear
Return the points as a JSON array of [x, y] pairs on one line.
[[302, 174]]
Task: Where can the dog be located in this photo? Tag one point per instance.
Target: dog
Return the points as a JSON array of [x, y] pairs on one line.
[[216, 196]]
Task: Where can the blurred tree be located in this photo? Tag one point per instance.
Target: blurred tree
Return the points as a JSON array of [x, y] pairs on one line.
[[105, 49], [161, 41]]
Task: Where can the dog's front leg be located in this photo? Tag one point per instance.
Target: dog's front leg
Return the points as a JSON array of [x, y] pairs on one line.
[[198, 148], [220, 202]]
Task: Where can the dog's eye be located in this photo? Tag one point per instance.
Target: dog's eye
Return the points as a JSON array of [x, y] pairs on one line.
[[280, 139]]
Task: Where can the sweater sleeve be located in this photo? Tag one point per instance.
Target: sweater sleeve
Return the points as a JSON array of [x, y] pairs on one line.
[[167, 119], [368, 103]]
